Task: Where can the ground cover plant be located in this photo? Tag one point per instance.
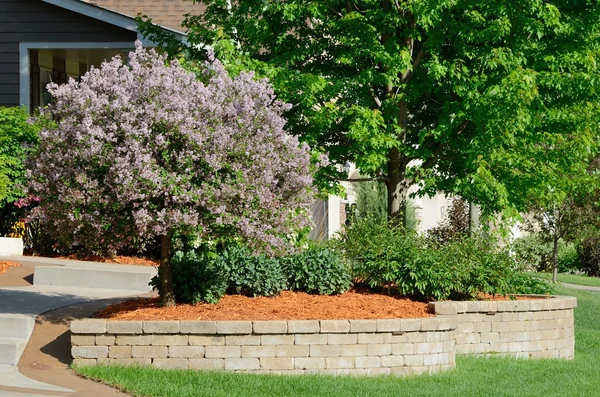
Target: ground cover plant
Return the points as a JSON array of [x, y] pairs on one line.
[[147, 148], [490, 376]]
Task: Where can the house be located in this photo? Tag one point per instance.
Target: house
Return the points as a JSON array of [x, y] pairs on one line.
[[51, 40]]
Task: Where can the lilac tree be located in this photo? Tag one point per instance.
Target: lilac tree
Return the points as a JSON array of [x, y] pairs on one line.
[[146, 148]]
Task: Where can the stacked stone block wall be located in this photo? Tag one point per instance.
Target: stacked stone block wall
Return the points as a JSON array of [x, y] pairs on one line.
[[358, 347], [534, 328]]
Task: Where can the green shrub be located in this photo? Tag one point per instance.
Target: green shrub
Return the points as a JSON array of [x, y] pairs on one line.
[[317, 271], [251, 275], [387, 257], [589, 256], [568, 258], [197, 277], [535, 254]]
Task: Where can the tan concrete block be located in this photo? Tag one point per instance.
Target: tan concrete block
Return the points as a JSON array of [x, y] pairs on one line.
[[83, 340], [270, 327], [500, 327], [388, 325], [206, 340], [89, 351], [292, 351], [119, 351], [105, 340], [465, 328], [490, 337], [269, 340], [335, 326], [414, 360], [241, 340], [88, 326], [367, 362], [206, 363], [133, 340], [362, 326], [415, 337], [169, 340], [443, 308], [149, 352], [515, 347], [339, 362], [325, 350], [246, 364], [259, 351], [410, 324], [198, 327], [234, 327], [223, 351], [483, 327], [379, 349], [370, 338], [447, 323], [161, 327], [353, 350], [473, 338], [402, 349], [431, 359], [461, 307], [170, 363], [304, 326], [392, 361], [342, 339], [536, 305], [311, 339], [481, 348], [84, 362], [429, 324], [123, 327], [309, 363], [282, 363], [186, 351], [510, 317]]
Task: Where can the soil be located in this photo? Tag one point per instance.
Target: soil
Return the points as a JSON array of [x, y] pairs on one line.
[[5, 265], [287, 306], [120, 260]]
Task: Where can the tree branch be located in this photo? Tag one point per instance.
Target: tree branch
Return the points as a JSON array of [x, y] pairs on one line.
[[353, 180]]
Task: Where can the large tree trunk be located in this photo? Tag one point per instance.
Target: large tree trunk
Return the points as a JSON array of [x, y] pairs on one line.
[[555, 261], [397, 188], [165, 270]]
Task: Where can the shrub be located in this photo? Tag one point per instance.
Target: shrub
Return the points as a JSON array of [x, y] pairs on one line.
[[535, 254], [589, 256], [317, 271], [455, 225], [251, 275], [390, 258], [197, 277]]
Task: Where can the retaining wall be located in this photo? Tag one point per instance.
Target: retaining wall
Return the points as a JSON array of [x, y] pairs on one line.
[[523, 328], [536, 328], [395, 346]]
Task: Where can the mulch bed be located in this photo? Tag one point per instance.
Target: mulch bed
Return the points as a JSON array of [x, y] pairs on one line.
[[120, 260], [287, 306], [5, 265]]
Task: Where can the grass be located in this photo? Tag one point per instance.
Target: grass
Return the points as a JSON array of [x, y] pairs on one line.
[[493, 376], [571, 278]]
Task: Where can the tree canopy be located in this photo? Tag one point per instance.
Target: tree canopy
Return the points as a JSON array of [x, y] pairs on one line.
[[146, 148], [485, 99]]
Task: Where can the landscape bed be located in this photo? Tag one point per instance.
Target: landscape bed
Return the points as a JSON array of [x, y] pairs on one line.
[[525, 328]]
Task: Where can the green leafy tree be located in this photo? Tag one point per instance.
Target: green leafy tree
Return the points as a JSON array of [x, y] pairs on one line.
[[466, 97]]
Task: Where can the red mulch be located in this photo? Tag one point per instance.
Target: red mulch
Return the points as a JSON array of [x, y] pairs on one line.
[[287, 306], [121, 260], [5, 265]]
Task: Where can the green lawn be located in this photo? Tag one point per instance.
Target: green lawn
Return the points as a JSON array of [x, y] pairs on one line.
[[492, 376], [571, 278]]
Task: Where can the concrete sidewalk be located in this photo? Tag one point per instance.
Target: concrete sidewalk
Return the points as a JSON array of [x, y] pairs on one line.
[[21, 305]]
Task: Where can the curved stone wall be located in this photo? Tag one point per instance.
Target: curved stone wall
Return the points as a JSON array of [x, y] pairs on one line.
[[535, 328]]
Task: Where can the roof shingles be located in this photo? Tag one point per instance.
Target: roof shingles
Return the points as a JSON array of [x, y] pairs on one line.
[[168, 13]]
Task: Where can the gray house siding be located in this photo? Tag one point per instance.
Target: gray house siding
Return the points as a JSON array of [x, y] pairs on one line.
[[35, 21]]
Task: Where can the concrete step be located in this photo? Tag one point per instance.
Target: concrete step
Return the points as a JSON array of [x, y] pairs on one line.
[[113, 277], [11, 350], [16, 326]]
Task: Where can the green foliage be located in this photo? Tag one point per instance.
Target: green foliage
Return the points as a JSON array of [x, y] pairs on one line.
[[493, 100], [317, 271], [534, 252], [389, 257], [15, 132], [589, 256], [251, 275]]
